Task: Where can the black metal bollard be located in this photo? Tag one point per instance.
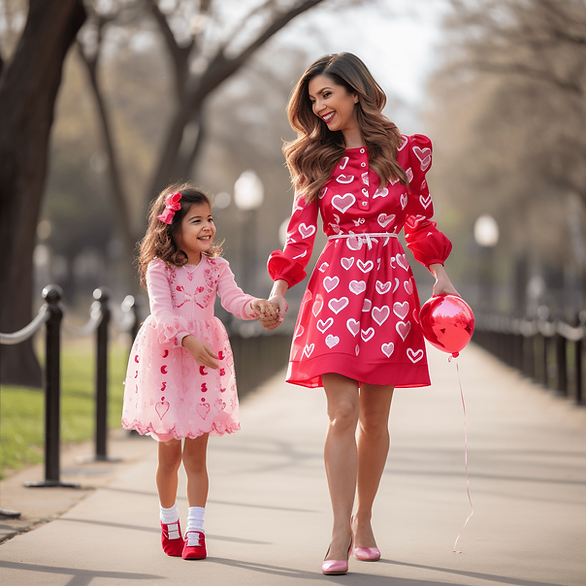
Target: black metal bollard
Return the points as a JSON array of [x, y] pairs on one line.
[[52, 386], [579, 357], [561, 364], [102, 297], [545, 358], [529, 356], [136, 324]]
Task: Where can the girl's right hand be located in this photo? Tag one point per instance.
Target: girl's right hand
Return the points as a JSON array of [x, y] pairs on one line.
[[202, 353], [281, 306], [277, 300]]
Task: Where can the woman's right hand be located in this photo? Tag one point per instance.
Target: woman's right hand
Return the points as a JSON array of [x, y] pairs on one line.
[[200, 351]]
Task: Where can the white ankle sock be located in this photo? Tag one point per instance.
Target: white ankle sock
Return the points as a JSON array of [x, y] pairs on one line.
[[195, 519], [170, 515]]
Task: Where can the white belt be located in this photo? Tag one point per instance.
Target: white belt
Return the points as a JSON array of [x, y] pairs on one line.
[[368, 237]]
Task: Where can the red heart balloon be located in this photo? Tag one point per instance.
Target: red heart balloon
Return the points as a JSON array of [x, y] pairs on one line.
[[447, 323]]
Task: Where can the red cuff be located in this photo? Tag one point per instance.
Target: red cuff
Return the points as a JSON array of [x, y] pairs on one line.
[[281, 267]]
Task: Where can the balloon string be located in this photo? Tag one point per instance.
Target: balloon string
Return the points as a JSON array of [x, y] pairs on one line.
[[465, 459]]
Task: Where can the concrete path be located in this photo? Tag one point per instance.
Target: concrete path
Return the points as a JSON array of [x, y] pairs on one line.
[[268, 517]]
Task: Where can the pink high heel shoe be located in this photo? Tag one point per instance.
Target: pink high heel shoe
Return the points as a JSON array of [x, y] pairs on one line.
[[336, 567], [367, 554]]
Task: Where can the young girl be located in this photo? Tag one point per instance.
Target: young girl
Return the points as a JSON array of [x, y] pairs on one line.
[[357, 333], [180, 383]]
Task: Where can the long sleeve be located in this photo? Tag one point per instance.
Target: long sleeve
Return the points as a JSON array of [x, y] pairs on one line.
[[428, 244], [290, 263], [232, 297], [172, 327]]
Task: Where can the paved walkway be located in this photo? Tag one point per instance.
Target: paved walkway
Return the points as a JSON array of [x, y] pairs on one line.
[[268, 517]]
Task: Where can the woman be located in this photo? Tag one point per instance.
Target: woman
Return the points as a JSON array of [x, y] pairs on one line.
[[357, 332]]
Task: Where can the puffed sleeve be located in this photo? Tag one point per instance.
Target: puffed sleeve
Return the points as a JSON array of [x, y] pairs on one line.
[[233, 299], [428, 244], [171, 326], [289, 264]]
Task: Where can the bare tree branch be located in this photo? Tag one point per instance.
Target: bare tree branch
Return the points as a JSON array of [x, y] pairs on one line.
[[530, 72], [198, 88], [117, 194], [179, 55], [275, 26]]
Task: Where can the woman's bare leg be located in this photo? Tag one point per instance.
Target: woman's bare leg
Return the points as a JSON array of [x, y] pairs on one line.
[[373, 447], [341, 458]]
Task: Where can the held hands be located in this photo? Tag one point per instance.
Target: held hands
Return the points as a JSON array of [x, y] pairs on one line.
[[262, 308], [202, 353], [280, 307], [267, 312], [277, 300]]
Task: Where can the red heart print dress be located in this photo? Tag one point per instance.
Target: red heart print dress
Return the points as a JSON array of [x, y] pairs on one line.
[[359, 314]]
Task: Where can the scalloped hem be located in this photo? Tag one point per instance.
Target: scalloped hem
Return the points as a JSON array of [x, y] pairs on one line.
[[216, 430]]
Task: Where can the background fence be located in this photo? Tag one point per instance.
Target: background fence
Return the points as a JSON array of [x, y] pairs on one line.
[[549, 352], [257, 356]]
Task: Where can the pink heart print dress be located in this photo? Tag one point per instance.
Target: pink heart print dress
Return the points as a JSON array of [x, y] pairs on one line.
[[167, 394], [359, 314]]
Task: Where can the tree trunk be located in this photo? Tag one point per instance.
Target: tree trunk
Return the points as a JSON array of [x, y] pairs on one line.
[[28, 91]]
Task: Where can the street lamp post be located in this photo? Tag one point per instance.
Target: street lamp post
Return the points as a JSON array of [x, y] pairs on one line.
[[248, 196], [486, 235]]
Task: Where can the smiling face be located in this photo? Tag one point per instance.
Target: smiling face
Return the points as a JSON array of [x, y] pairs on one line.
[[334, 104], [196, 232]]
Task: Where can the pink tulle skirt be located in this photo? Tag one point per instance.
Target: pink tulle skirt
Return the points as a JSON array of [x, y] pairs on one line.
[[168, 395]]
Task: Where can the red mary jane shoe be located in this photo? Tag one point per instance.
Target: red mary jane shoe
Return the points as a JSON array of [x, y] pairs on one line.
[[195, 546], [171, 539]]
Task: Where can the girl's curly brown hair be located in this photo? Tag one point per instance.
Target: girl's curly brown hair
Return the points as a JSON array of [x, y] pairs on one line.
[[159, 241], [312, 157]]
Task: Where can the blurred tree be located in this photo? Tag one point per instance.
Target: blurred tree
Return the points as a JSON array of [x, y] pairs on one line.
[[511, 98], [29, 82], [261, 92], [199, 68], [538, 50], [206, 43], [119, 203], [202, 43]]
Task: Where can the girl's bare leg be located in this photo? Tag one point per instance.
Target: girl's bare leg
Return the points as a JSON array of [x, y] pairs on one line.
[[168, 462], [195, 464], [341, 458], [373, 447]]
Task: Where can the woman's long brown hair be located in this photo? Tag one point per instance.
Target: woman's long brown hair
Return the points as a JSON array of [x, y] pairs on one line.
[[312, 157], [159, 241]]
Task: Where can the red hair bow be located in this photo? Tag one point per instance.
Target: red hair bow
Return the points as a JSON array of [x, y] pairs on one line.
[[172, 205]]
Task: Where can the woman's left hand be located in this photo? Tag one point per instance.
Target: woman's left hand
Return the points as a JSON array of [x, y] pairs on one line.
[[442, 285]]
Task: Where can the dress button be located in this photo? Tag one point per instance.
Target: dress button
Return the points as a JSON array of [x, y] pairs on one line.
[[363, 164], [361, 150], [364, 203]]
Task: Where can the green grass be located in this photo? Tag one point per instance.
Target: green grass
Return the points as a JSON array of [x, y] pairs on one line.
[[22, 409]]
